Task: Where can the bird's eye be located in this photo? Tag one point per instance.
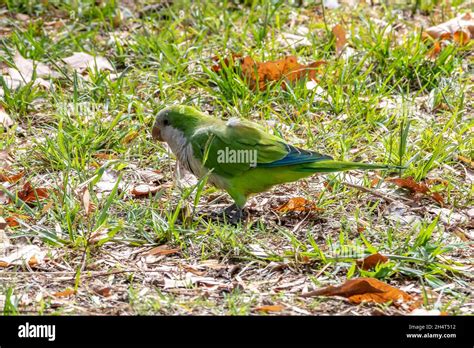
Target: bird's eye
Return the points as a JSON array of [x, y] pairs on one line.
[[166, 122]]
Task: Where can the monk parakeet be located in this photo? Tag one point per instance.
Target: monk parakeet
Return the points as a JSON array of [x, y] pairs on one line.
[[241, 157]]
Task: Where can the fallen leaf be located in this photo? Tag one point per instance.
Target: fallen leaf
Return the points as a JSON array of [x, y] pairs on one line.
[[163, 250], [30, 254], [340, 35], [12, 179], [417, 187], [438, 198], [298, 204], [261, 74], [270, 308], [410, 184], [150, 175], [24, 71], [81, 61], [86, 202], [12, 220], [374, 182], [144, 190], [459, 29], [5, 119], [371, 261], [106, 291], [194, 270], [66, 293], [434, 51], [28, 194], [366, 290]]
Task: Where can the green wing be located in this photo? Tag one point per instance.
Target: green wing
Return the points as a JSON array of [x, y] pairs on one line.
[[215, 145]]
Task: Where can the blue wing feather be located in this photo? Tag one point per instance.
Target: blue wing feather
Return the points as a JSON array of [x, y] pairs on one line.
[[296, 156]]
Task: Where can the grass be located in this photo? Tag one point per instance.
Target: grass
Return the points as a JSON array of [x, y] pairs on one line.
[[385, 103]]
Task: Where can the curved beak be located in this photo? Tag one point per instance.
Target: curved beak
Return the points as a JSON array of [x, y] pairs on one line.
[[156, 133]]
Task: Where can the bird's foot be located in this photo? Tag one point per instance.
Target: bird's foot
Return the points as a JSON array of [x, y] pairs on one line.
[[234, 213]]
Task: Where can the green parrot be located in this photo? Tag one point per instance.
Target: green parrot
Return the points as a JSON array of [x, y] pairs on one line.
[[239, 156]]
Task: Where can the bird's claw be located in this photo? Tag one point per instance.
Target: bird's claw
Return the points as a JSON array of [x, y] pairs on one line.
[[234, 214]]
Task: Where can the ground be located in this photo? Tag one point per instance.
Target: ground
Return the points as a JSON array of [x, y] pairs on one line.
[[117, 231]]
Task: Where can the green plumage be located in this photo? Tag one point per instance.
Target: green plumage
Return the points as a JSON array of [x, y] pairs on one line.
[[261, 160]]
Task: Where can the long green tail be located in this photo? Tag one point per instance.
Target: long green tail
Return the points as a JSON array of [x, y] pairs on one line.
[[339, 166]]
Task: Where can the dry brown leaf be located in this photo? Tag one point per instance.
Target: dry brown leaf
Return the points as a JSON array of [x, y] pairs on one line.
[[418, 187], [144, 190], [194, 271], [270, 308], [5, 119], [371, 261], [25, 68], [12, 220], [340, 35], [366, 290], [163, 250], [298, 204], [410, 184], [435, 51], [261, 74], [106, 291], [28, 194], [81, 61], [12, 179], [459, 29], [438, 198], [374, 182], [66, 293]]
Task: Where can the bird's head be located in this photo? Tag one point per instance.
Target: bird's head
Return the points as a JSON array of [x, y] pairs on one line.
[[178, 118]]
